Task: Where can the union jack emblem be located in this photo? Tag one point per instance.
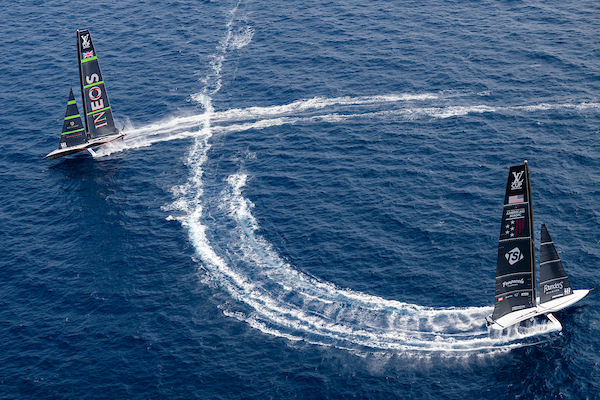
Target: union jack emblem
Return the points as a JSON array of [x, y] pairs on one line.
[[88, 54]]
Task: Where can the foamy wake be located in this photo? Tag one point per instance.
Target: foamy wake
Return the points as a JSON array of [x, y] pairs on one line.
[[281, 301], [339, 110], [271, 295]]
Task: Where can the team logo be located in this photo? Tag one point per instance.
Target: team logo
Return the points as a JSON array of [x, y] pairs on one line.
[[517, 182], [513, 228], [86, 44], [514, 256]]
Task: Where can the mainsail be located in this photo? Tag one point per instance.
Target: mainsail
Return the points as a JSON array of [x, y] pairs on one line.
[[515, 268], [98, 115], [73, 132], [553, 280]]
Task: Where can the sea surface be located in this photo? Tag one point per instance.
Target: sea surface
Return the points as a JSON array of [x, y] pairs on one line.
[[307, 202]]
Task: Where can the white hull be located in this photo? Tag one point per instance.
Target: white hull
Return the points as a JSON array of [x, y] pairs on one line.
[[541, 309], [81, 147]]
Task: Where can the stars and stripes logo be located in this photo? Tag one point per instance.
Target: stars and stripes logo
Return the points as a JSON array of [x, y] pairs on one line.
[[516, 199], [514, 227], [88, 54]]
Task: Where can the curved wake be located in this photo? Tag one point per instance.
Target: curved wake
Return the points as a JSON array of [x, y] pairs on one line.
[[281, 301], [273, 296]]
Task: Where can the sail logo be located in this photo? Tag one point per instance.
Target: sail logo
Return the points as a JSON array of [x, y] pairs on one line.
[[517, 182], [513, 282], [96, 101], [553, 287], [85, 42], [514, 256]]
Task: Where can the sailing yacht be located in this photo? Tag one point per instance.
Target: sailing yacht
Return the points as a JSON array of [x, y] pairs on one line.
[[516, 297], [99, 126]]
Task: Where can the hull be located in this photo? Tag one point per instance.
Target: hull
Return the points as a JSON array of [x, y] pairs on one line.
[[81, 147], [103, 140], [546, 308]]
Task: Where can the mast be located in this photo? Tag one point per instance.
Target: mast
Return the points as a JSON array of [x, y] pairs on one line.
[[96, 107], [81, 81], [515, 267]]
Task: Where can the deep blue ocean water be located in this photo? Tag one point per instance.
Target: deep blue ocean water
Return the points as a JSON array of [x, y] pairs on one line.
[[307, 202]]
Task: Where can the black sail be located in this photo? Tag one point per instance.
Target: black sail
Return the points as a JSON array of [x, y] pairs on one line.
[[553, 280], [98, 115], [73, 132], [515, 268]]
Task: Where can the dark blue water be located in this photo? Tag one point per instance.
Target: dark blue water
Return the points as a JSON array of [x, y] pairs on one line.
[[307, 202]]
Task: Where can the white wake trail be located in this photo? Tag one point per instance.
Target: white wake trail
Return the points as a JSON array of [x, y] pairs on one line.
[[284, 302], [312, 111], [271, 295]]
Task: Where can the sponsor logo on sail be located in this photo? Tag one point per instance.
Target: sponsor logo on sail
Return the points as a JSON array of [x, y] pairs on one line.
[[514, 256], [518, 212], [513, 282], [85, 42], [517, 182], [553, 287], [516, 199], [514, 227]]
